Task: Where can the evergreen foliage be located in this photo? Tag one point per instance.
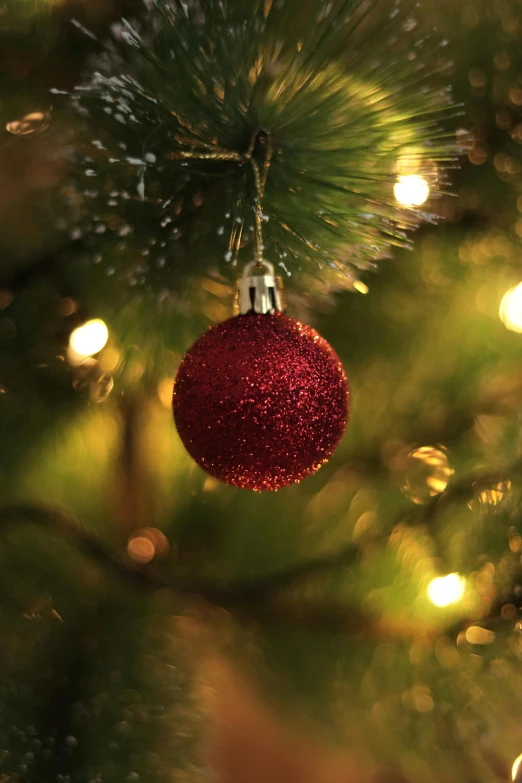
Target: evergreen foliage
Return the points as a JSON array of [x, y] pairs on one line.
[[320, 589]]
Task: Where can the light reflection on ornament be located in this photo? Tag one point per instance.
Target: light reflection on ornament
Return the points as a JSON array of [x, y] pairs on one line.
[[411, 190], [515, 768], [510, 311], [32, 122], [87, 340], [446, 590], [427, 474]]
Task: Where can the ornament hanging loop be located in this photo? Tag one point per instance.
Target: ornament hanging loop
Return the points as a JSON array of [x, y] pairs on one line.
[[260, 177], [260, 140], [260, 293]]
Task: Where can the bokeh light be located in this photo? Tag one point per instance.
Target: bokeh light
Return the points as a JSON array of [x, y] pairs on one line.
[[516, 766], [477, 635], [446, 590], [411, 190], [32, 122], [144, 545], [491, 497], [87, 340], [141, 549], [166, 391], [511, 309], [428, 473]]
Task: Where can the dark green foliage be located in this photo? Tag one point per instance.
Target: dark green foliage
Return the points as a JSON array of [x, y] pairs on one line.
[[348, 95], [95, 684]]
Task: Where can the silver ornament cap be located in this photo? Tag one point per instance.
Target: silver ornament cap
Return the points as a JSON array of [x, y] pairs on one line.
[[260, 293]]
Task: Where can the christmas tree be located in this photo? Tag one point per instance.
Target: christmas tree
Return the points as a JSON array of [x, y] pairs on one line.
[[356, 164]]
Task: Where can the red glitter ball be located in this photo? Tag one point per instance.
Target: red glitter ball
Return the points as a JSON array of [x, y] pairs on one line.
[[261, 401]]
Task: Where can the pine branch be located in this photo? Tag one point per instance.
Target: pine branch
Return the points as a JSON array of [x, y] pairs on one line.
[[60, 522], [283, 580], [209, 81], [256, 600], [264, 598]]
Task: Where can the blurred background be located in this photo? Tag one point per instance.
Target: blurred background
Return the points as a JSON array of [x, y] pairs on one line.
[[395, 655]]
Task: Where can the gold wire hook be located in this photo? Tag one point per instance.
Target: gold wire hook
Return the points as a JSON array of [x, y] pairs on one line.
[[260, 179]]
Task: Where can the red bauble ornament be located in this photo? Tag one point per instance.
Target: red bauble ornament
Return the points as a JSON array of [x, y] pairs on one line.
[[261, 401]]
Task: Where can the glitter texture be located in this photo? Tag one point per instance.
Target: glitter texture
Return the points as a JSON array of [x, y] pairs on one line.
[[261, 401]]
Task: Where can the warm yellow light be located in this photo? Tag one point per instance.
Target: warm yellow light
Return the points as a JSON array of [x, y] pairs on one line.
[[511, 309], [516, 765], [165, 391], [427, 473], [411, 190], [361, 287], [141, 549], [477, 635], [144, 545], [446, 590], [33, 122], [87, 340]]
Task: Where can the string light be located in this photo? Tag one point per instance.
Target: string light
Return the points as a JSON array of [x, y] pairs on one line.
[[411, 190], [511, 309], [87, 340], [446, 590]]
